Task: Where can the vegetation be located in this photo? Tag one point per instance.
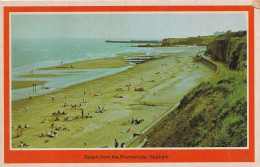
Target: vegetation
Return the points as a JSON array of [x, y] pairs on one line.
[[214, 114], [200, 41]]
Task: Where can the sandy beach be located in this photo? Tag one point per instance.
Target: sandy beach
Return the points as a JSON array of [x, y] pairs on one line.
[[165, 82], [113, 62], [25, 84]]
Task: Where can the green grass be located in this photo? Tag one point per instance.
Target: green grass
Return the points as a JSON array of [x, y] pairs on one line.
[[214, 114], [200, 41]]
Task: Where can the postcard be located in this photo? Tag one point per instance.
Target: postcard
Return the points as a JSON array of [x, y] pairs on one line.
[[96, 84]]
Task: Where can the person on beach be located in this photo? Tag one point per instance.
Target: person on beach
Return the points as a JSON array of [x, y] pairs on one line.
[[116, 143], [89, 116], [136, 121], [19, 134], [98, 110], [26, 126], [125, 131], [132, 121], [82, 112], [98, 94], [123, 145]]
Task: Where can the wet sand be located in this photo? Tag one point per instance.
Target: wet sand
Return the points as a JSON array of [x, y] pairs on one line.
[[112, 62], [165, 82], [41, 75], [25, 84], [130, 54]]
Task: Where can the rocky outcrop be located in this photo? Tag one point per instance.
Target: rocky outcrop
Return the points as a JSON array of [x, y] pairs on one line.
[[231, 49]]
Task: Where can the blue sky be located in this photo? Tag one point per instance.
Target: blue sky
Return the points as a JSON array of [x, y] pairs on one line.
[[135, 26]]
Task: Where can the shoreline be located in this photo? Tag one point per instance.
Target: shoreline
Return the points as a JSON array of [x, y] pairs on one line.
[[113, 65], [112, 62], [158, 94]]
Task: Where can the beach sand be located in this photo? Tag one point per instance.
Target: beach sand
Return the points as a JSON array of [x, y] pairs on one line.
[[25, 84], [41, 75], [113, 62], [130, 54], [165, 82]]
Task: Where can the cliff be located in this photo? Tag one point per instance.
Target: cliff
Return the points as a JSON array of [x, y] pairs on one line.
[[200, 41], [231, 49], [214, 114]]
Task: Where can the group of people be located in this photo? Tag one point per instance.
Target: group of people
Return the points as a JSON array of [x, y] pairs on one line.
[[42, 85], [34, 87], [123, 145], [50, 134], [139, 89], [75, 106], [25, 126], [22, 144], [89, 116], [98, 94], [59, 113], [20, 130], [60, 128], [99, 110], [136, 121]]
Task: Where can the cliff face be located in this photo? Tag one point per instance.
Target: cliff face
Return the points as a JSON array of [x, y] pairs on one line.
[[200, 41], [230, 48], [214, 114]]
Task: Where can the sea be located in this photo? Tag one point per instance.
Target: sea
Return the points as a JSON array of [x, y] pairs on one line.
[[33, 53]]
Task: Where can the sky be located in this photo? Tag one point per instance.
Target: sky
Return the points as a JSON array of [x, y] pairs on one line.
[[125, 26]]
